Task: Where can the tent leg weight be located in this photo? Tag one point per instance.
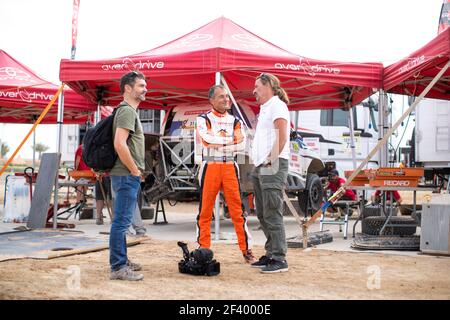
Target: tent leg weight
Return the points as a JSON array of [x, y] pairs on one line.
[[314, 239]]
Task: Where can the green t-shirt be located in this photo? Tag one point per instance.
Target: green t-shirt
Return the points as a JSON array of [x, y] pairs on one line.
[[128, 118]]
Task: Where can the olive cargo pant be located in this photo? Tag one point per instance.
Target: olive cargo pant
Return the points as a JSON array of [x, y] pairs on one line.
[[269, 183]]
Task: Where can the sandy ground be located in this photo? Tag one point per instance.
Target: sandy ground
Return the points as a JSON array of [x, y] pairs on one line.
[[313, 274]]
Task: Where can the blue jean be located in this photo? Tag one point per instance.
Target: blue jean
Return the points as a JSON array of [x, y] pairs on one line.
[[136, 221], [126, 189]]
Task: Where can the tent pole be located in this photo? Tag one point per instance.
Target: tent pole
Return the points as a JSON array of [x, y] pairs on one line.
[[352, 136], [34, 149], [98, 114], [382, 125], [296, 120], [60, 121], [98, 117], [162, 115], [217, 204]]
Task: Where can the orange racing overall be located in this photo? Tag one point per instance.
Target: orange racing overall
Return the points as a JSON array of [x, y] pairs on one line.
[[221, 136]]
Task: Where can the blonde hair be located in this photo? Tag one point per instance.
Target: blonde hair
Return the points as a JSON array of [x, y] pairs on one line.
[[274, 83]]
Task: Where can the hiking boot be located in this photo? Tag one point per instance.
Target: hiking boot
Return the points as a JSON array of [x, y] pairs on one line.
[[275, 266], [134, 266], [261, 263], [126, 273], [249, 257]]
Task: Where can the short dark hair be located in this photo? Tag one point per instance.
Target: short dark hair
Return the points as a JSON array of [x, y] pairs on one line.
[[130, 79], [212, 90], [333, 172]]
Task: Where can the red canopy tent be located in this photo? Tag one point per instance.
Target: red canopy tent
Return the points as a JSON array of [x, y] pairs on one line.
[[24, 95], [412, 74], [183, 70]]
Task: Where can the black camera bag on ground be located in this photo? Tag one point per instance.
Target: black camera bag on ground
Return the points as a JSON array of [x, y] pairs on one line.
[[198, 262]]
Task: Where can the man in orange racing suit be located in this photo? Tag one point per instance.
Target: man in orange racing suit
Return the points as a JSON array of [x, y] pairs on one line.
[[221, 135]]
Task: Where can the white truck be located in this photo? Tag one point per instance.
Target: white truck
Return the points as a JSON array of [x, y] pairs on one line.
[[430, 143], [175, 174], [327, 132]]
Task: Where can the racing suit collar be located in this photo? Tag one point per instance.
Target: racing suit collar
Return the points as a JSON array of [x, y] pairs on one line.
[[217, 113]]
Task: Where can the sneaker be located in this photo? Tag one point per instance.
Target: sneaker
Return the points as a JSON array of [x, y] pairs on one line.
[[275, 266], [140, 234], [134, 266], [126, 273], [249, 257], [99, 222], [261, 263]]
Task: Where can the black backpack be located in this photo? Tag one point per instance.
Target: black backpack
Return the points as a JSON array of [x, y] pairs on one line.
[[98, 146]]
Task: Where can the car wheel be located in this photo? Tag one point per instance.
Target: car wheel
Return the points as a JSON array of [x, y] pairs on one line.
[[311, 198]]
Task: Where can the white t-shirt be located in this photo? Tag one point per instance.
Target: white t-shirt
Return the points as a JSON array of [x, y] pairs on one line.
[[265, 130]]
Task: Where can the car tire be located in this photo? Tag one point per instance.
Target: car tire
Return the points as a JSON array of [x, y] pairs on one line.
[[310, 199]]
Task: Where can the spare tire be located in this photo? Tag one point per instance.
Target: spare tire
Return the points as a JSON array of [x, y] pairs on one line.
[[371, 211], [377, 210], [372, 226]]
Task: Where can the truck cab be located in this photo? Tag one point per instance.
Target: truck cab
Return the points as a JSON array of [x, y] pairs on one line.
[[327, 132]]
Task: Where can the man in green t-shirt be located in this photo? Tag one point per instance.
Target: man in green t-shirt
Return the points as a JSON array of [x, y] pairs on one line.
[[126, 173]]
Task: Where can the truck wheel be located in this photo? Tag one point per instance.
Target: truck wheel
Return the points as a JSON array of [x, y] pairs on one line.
[[372, 226], [312, 197]]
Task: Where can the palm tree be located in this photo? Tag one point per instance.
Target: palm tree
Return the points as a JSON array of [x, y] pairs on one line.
[[40, 147], [4, 149]]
